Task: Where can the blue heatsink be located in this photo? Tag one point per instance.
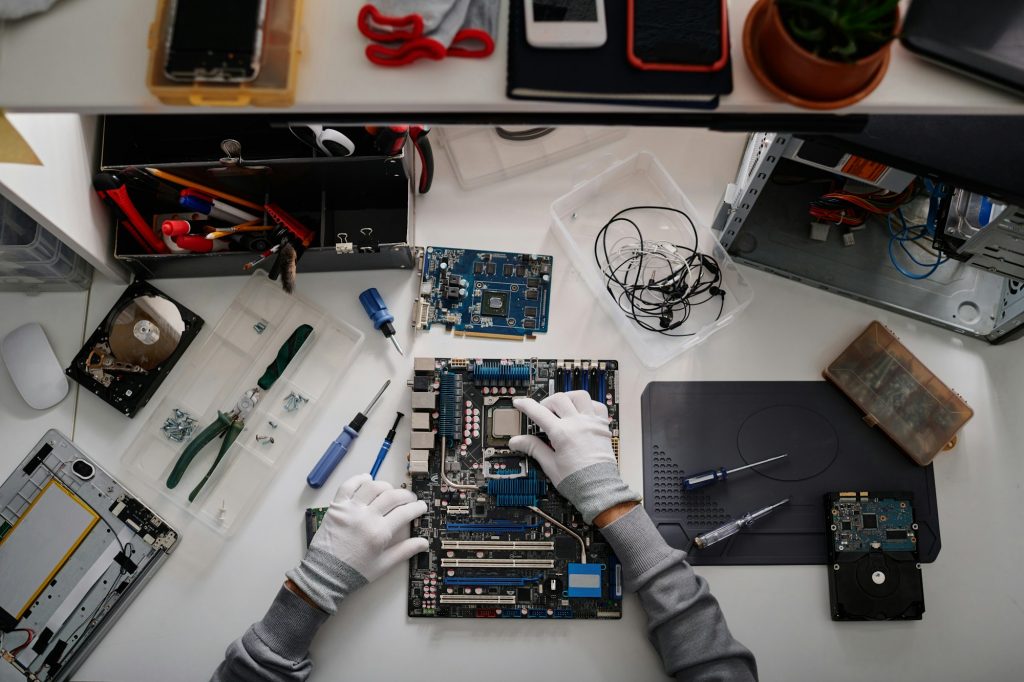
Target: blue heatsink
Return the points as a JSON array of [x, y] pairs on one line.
[[517, 492]]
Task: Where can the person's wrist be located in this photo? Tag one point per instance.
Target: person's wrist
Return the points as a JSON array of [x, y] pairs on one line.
[[298, 592], [614, 513]]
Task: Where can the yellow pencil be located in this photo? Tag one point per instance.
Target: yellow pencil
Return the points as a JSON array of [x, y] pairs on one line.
[[164, 175]]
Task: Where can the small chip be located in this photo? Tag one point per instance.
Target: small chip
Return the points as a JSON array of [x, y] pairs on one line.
[[491, 268], [530, 312], [870, 521], [523, 595], [508, 270], [506, 422], [531, 294], [478, 268], [495, 304], [453, 292], [529, 324], [533, 282], [520, 271], [846, 525], [896, 535]]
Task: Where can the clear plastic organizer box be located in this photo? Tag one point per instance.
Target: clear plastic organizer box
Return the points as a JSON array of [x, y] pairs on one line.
[[212, 378], [579, 216], [481, 156], [32, 259]]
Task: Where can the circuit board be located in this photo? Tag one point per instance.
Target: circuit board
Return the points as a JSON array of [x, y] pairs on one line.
[[874, 571], [860, 523], [314, 517], [503, 542], [492, 294]]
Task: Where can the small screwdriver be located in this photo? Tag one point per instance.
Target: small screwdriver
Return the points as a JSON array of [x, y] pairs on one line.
[[385, 446], [733, 527], [379, 314], [710, 476], [339, 448]]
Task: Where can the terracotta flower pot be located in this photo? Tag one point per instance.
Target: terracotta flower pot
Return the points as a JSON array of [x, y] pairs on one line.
[[809, 80]]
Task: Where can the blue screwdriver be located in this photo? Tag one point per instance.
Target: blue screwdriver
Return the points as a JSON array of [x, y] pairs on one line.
[[339, 448], [379, 314], [385, 446], [710, 476]]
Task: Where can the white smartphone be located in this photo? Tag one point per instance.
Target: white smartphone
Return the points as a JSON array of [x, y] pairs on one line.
[[567, 24]]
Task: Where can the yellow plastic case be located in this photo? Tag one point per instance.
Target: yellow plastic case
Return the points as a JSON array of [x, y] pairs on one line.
[[274, 86], [899, 394]]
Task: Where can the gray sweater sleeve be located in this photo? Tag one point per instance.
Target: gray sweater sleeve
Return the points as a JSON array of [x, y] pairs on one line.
[[685, 623], [276, 648]]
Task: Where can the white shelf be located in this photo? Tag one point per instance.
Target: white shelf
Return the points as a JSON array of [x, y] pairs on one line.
[[92, 57], [58, 194]]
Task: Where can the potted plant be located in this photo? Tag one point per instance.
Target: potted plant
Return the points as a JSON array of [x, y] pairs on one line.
[[820, 53]]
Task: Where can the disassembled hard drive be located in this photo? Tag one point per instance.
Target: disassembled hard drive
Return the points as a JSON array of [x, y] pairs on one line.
[[131, 352], [874, 570]]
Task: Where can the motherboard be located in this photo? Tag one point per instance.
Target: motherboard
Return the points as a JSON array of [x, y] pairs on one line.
[[503, 542], [874, 569], [493, 294]]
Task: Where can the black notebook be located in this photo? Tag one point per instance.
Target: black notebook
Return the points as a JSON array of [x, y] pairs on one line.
[[603, 75]]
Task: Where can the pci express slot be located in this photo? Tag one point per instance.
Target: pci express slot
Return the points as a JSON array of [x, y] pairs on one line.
[[490, 527], [477, 599], [500, 545], [492, 581], [497, 563]]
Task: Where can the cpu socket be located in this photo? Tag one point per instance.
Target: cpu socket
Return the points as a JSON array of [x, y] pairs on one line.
[[503, 421]]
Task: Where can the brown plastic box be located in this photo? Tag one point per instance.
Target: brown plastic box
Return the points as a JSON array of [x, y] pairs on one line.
[[899, 394]]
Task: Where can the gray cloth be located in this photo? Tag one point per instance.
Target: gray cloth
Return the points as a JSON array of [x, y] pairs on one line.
[[276, 648], [596, 488], [686, 626], [325, 578], [18, 9]]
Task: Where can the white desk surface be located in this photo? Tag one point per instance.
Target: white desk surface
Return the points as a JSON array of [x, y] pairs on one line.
[[91, 56], [181, 622]]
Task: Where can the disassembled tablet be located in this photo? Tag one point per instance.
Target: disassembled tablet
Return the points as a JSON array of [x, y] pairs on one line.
[[491, 294], [503, 542], [75, 548], [874, 571]]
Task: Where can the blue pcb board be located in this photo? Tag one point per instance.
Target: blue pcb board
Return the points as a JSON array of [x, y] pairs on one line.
[[493, 294], [863, 522]]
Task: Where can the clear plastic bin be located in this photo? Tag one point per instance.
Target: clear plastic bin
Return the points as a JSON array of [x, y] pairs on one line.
[[33, 260], [215, 374], [481, 156], [642, 181]]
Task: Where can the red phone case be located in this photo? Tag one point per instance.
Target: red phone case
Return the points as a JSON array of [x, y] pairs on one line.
[[639, 63]]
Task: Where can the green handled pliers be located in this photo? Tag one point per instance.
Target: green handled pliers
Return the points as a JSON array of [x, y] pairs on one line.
[[230, 424]]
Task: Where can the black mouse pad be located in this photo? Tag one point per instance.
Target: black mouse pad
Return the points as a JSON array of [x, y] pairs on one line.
[[689, 427]]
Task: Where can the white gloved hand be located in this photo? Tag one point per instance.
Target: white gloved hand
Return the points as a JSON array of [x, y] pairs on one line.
[[361, 538], [580, 461]]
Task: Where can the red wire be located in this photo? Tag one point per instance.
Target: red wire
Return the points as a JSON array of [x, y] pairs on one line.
[[28, 631]]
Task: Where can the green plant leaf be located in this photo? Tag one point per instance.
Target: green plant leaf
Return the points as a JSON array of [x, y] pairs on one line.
[[813, 35], [830, 14]]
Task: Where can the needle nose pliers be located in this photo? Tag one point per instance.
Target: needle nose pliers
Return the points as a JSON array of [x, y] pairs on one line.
[[230, 424]]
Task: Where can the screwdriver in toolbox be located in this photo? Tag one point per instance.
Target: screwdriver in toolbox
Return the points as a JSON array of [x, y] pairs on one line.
[[385, 446], [339, 448], [710, 476], [379, 314], [733, 527]]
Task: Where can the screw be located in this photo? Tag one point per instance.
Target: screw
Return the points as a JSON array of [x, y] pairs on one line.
[[260, 326], [265, 440], [273, 425]]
